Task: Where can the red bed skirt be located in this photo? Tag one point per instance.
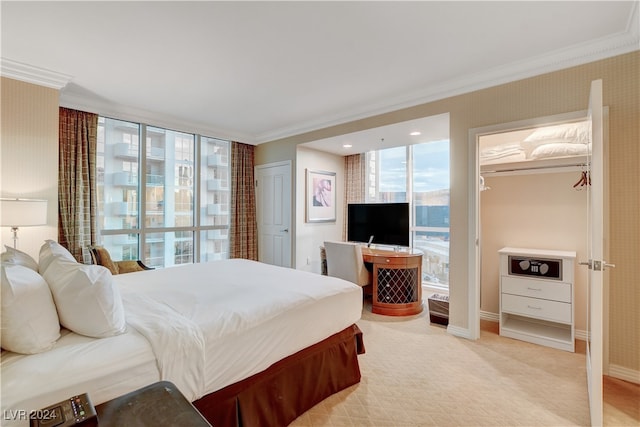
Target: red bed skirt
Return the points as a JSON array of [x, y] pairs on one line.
[[290, 387]]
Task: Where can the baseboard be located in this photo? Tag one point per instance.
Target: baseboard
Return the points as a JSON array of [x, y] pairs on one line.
[[625, 374], [487, 315], [459, 332], [581, 335], [614, 371], [495, 317]]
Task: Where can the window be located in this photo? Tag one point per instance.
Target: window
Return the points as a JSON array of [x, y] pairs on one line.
[[165, 201], [418, 174]]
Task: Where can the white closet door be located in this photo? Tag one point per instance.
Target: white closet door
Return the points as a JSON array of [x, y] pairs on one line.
[[595, 250]]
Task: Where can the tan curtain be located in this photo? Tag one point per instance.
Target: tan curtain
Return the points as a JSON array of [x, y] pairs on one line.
[[354, 178], [243, 233], [77, 197]]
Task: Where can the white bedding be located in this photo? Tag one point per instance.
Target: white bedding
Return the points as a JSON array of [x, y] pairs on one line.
[[201, 326], [242, 316], [564, 140], [105, 368]]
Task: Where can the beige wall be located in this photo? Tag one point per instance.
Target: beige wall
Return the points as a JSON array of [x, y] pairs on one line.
[[29, 156], [549, 94], [541, 211], [310, 236]]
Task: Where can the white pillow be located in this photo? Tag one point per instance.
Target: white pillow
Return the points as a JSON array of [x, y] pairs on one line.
[[568, 133], [29, 319], [88, 301], [559, 149], [16, 257], [51, 250]]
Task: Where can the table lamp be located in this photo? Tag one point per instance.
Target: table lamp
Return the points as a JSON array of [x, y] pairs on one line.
[[16, 213]]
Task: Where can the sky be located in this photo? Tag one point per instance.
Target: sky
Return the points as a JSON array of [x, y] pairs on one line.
[[430, 167]]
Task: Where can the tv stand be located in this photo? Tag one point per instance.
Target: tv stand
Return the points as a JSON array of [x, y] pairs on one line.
[[397, 281]]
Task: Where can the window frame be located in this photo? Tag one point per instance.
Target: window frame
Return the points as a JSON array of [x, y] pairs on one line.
[[142, 231], [374, 156]]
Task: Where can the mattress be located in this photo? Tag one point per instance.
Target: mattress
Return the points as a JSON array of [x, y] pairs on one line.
[[105, 368]]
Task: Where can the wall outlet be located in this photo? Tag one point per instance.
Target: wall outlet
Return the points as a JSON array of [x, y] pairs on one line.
[[308, 260]]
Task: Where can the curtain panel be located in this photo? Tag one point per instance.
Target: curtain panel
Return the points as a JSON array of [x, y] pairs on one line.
[[77, 190], [354, 178], [243, 227]]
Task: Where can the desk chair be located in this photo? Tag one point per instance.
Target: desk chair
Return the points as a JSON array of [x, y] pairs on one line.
[[344, 260]]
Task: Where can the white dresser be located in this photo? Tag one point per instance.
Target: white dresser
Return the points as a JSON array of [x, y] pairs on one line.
[[537, 296]]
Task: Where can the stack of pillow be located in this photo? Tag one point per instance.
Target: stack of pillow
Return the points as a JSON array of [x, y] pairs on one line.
[[40, 297], [569, 139]]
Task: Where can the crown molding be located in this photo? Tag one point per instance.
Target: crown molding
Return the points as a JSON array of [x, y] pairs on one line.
[[606, 47], [106, 108], [30, 74]]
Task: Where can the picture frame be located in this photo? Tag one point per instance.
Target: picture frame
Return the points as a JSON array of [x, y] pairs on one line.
[[321, 196]]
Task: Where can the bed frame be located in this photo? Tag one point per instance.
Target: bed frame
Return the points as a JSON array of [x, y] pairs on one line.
[[290, 387]]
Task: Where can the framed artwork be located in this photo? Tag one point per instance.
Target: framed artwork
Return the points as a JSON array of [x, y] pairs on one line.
[[321, 196]]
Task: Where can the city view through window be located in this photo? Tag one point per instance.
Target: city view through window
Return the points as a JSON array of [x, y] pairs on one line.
[[166, 201], [418, 174], [148, 195]]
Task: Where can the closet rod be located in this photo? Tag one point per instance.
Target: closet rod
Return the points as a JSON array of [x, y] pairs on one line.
[[535, 170]]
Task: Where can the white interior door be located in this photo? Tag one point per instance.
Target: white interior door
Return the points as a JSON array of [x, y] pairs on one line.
[[273, 195], [596, 262]]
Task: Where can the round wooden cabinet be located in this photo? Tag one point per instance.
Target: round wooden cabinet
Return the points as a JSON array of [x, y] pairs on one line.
[[397, 281]]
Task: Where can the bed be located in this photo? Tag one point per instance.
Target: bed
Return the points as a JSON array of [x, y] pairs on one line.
[[248, 343]]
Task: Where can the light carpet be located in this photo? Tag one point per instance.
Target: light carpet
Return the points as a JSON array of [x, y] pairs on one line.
[[416, 374]]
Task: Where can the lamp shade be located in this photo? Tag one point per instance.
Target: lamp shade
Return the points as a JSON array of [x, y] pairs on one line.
[[22, 212]]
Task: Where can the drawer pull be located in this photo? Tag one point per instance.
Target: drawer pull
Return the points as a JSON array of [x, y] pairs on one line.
[[534, 308], [534, 289], [388, 260]]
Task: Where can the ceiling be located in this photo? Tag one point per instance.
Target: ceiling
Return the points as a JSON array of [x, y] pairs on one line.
[[259, 71]]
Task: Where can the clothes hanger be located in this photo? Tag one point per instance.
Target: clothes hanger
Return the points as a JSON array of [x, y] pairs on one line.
[[585, 180]]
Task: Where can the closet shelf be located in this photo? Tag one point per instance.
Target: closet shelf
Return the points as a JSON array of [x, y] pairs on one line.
[[549, 165]]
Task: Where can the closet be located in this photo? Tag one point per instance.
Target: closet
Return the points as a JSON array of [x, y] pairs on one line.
[[533, 195]]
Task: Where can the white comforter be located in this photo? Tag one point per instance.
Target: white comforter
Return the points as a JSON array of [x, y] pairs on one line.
[[201, 326], [213, 324]]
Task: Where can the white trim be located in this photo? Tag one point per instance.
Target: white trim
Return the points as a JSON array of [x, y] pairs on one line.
[[459, 332], [606, 47], [584, 53], [31, 74], [626, 374], [581, 334], [491, 317], [473, 243]]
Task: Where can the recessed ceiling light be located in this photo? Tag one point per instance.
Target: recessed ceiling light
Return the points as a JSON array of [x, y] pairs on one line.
[[414, 133], [347, 146]]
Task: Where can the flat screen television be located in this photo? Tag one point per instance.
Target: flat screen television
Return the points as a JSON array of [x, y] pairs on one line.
[[388, 223]]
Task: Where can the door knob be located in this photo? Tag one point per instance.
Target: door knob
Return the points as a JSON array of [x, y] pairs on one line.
[[601, 265], [587, 263], [286, 230]]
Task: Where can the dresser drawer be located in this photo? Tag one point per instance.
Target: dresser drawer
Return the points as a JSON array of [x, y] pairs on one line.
[[555, 291], [382, 261], [538, 308]]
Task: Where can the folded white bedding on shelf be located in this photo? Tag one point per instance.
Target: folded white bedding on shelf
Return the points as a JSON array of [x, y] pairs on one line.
[[564, 140]]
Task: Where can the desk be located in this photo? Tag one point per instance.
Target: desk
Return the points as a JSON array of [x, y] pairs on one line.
[[397, 281], [159, 404]]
